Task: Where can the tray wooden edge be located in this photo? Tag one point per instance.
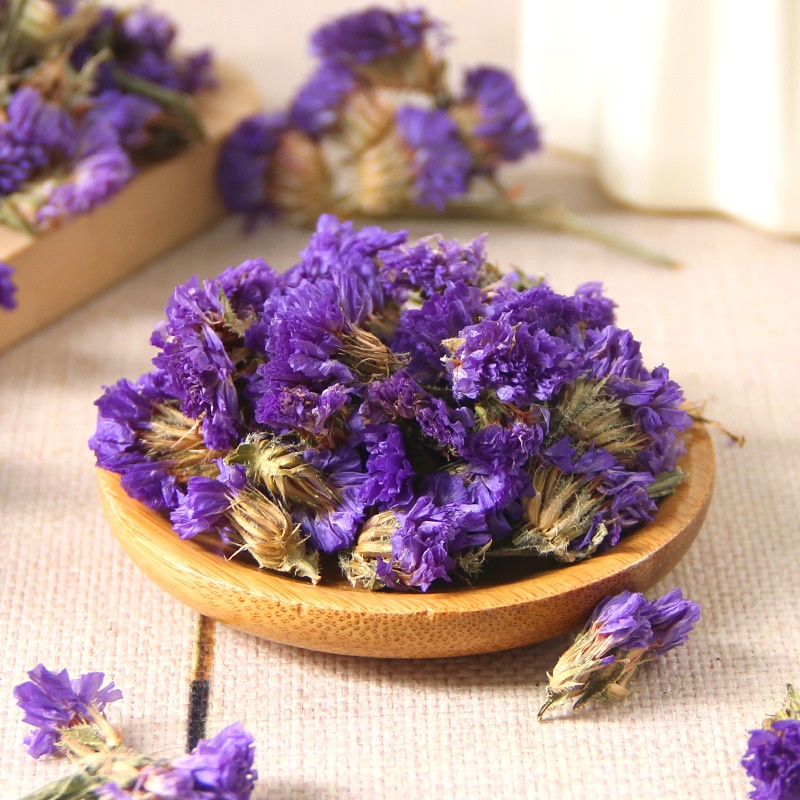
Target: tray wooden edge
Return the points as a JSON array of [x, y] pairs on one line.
[[454, 623]]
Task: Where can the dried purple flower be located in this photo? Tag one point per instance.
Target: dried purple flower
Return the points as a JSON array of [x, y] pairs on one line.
[[54, 703], [8, 289], [521, 364], [100, 169], [34, 133], [129, 115], [243, 164], [317, 105], [390, 474], [440, 525], [440, 163], [220, 768], [494, 119], [431, 265], [194, 344], [623, 632], [365, 36], [772, 761]]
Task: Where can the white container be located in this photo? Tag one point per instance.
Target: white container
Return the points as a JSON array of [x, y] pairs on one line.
[[685, 105]]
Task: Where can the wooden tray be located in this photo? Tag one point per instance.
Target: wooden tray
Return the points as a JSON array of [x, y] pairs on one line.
[[161, 207], [512, 610]]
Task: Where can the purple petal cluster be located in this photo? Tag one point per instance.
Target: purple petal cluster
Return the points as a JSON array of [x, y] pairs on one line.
[[334, 530], [504, 126], [364, 36], [8, 289], [420, 387], [772, 761], [125, 413], [195, 359], [629, 621], [389, 472], [53, 702], [315, 108], [220, 768], [207, 500], [34, 134], [440, 525], [141, 41], [243, 164], [441, 162], [101, 167], [624, 632]]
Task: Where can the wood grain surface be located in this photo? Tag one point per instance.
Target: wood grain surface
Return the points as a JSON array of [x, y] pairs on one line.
[[514, 609], [161, 207]]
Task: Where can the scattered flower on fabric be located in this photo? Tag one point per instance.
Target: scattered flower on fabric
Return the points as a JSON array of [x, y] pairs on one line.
[[69, 718], [402, 406], [772, 760], [624, 632], [92, 94]]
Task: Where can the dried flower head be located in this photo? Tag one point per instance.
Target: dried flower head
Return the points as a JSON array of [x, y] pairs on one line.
[[279, 466], [8, 290], [772, 760], [624, 632], [67, 714]]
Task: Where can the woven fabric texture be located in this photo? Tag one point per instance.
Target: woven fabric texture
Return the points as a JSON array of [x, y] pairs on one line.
[[336, 727]]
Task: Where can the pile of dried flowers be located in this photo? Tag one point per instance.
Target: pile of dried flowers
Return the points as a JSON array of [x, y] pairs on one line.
[[88, 93], [69, 719], [404, 406], [378, 131]]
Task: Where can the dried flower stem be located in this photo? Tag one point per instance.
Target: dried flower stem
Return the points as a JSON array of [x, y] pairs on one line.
[[548, 214]]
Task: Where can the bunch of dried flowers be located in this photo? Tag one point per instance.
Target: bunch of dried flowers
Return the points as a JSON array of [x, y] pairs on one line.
[[402, 406], [88, 94], [378, 130], [68, 718]]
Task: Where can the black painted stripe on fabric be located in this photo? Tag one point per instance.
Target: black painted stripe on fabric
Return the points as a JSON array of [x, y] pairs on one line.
[[200, 689]]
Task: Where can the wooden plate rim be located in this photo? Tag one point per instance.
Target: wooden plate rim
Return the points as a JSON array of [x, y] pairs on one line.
[[676, 513]]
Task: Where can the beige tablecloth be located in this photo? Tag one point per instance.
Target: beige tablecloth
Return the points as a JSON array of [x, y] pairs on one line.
[[333, 727]]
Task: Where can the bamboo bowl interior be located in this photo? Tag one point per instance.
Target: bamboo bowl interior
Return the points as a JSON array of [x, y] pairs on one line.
[[510, 608]]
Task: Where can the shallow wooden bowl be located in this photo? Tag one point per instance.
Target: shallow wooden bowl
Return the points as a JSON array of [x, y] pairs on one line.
[[511, 609]]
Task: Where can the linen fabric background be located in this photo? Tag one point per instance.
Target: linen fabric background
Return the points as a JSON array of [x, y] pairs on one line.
[[336, 727]]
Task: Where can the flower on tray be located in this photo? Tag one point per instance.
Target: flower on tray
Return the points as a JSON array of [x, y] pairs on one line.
[[402, 406], [377, 130], [90, 93], [8, 289], [772, 760], [68, 717], [624, 632]]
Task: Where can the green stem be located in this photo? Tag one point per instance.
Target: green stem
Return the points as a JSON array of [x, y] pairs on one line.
[[174, 103], [550, 214], [16, 10], [79, 786]]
